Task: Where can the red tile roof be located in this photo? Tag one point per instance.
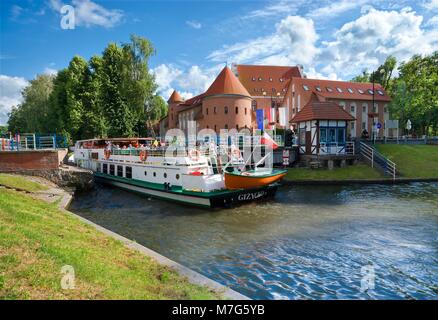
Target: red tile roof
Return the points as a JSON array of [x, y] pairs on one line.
[[226, 83], [312, 85], [175, 97], [257, 79], [317, 110]]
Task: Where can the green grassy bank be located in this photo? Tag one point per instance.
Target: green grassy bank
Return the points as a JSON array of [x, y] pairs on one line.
[[37, 240], [413, 161], [17, 182], [360, 171]]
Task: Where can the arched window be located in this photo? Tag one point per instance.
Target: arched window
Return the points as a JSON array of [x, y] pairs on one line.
[[226, 126], [237, 110], [226, 110]]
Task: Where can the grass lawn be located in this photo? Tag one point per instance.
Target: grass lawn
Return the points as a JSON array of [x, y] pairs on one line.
[[360, 171], [37, 240], [413, 161], [18, 182]]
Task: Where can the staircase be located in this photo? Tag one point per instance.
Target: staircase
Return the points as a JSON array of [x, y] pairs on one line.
[[377, 160]]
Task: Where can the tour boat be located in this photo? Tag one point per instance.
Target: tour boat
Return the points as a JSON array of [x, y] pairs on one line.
[[195, 177]]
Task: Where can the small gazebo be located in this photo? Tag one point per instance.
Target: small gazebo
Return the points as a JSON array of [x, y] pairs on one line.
[[321, 127]]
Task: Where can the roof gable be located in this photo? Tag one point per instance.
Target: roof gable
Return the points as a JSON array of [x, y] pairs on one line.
[[321, 110]]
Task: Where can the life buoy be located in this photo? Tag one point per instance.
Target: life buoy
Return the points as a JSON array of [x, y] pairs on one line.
[[107, 154], [235, 153], [143, 155], [194, 154]]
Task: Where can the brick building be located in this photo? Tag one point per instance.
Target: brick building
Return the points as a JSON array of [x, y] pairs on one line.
[[281, 92]]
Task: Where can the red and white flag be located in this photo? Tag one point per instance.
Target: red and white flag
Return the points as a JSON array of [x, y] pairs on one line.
[[267, 140]]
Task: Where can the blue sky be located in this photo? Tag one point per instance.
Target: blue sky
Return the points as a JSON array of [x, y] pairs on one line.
[[194, 39]]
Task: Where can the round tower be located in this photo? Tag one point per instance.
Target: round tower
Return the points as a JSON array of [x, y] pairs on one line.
[[174, 100]]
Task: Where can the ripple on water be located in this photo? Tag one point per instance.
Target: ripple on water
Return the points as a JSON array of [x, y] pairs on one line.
[[310, 243]]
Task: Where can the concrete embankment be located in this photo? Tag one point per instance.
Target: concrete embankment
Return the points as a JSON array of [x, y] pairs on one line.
[[288, 182]]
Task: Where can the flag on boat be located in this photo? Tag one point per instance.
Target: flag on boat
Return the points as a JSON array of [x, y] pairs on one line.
[[267, 140]]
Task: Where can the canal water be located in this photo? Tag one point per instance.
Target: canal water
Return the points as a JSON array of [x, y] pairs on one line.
[[311, 242]]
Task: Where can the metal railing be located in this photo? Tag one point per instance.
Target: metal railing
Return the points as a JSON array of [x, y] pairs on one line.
[[377, 160], [346, 148], [26, 142]]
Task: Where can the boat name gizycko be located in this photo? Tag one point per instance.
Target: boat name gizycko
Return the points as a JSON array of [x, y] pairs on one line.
[[251, 196]]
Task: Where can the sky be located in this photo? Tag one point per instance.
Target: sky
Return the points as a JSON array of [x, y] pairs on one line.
[[194, 40]]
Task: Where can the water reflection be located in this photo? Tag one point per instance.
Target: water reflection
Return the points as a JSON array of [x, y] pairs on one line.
[[311, 242]]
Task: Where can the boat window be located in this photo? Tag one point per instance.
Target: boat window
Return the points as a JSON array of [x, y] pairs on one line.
[[111, 169], [155, 174], [120, 171], [177, 176], [165, 175], [128, 172], [98, 167], [145, 173], [104, 168]]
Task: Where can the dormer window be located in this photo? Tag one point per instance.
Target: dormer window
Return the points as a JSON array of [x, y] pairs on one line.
[[281, 80], [339, 89], [305, 87], [380, 92], [350, 90], [253, 78], [360, 91], [329, 89], [284, 90], [260, 79], [318, 88], [370, 91], [270, 79]]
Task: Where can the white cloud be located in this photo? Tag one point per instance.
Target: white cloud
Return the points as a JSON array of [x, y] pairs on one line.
[[194, 24], [89, 13], [10, 94], [335, 9], [274, 9], [367, 41], [292, 43], [188, 82], [431, 4], [50, 71], [432, 22]]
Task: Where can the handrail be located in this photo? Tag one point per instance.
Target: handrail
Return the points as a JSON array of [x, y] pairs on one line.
[[377, 159]]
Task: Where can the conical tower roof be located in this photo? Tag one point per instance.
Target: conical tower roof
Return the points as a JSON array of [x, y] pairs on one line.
[[226, 83], [175, 97]]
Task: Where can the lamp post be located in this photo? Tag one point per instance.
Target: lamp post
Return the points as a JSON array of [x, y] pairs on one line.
[[381, 71]]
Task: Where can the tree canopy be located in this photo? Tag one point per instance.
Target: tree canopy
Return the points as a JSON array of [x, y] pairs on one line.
[[110, 95]]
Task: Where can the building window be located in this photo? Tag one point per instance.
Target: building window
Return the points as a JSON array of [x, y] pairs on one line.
[[260, 79], [350, 90], [329, 89], [305, 87], [120, 171], [111, 169], [385, 109], [364, 108], [226, 126], [206, 110], [214, 110], [364, 125], [104, 168], [360, 91], [380, 92], [237, 127], [245, 111], [323, 135], [254, 105], [270, 79], [237, 110], [370, 91], [375, 108], [128, 172], [352, 108], [215, 128], [339, 89], [318, 88], [352, 125], [281, 79], [226, 110], [208, 126], [253, 78]]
